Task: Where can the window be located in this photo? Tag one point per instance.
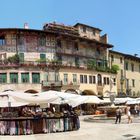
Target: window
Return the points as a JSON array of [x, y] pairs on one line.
[[120, 59], [90, 79], [13, 77], [47, 77], [76, 46], [127, 83], [43, 57], [3, 77], [42, 41], [98, 52], [114, 81], [94, 33], [84, 29], [20, 40], [133, 83], [77, 61], [74, 78], [99, 79], [21, 57], [2, 41], [81, 79], [59, 43], [25, 77], [132, 67], [85, 78], [36, 78], [94, 80], [126, 65], [112, 58], [98, 63], [105, 81], [65, 79], [56, 77], [59, 58], [121, 73]]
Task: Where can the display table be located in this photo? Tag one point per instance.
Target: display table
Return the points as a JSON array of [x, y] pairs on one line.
[[36, 125]]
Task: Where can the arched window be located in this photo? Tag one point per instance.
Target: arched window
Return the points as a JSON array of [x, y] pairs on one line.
[[99, 79]]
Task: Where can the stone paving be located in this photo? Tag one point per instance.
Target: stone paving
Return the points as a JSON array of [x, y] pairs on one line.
[[106, 130]]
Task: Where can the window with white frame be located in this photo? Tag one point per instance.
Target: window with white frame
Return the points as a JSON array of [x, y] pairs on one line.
[[90, 79], [65, 79], [74, 78], [81, 79]]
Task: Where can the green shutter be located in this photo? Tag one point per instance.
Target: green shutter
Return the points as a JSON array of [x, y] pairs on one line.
[[3, 78], [13, 77], [25, 77], [43, 56], [35, 77]]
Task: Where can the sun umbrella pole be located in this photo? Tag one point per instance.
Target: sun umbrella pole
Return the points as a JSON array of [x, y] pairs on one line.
[[9, 104]]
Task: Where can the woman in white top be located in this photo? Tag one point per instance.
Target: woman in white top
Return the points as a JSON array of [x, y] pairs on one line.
[[129, 115]]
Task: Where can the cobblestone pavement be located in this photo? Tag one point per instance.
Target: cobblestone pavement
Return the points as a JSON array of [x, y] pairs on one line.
[[106, 130]]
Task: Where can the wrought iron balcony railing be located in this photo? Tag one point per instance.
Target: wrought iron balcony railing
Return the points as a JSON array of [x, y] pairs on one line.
[[51, 83]]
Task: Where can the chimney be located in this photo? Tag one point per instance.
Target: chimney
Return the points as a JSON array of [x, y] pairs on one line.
[[104, 38], [26, 26]]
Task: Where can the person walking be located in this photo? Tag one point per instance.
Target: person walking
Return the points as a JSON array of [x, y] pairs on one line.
[[129, 115], [118, 115]]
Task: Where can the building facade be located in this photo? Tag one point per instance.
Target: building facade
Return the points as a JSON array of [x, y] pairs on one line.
[[68, 58], [128, 77]]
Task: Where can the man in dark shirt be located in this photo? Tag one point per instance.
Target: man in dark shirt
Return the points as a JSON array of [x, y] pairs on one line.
[[118, 115]]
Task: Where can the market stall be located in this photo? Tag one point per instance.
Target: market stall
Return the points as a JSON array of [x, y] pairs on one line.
[[32, 125], [21, 115]]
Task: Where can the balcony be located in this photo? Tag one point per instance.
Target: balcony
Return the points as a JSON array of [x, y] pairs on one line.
[[71, 85], [9, 65], [73, 53], [51, 83], [50, 65], [80, 53]]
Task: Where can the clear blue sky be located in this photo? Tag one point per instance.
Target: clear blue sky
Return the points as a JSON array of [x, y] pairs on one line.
[[120, 19]]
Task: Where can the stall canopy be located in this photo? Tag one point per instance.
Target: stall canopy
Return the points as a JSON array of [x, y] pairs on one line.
[[63, 97], [92, 99], [105, 101], [54, 97], [137, 100], [123, 100], [30, 98], [9, 101], [133, 101]]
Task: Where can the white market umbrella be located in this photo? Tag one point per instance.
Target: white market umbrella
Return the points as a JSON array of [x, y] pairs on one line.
[[105, 101], [138, 100], [31, 98], [92, 99], [8, 101], [123, 100], [63, 97], [134, 101]]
